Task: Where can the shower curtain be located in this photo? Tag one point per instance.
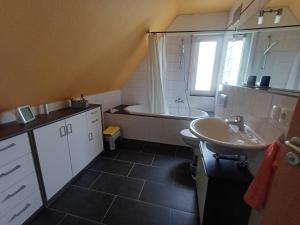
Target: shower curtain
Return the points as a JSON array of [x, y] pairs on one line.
[[293, 81], [157, 74]]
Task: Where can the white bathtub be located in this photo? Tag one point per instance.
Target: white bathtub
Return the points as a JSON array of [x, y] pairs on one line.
[[144, 110]]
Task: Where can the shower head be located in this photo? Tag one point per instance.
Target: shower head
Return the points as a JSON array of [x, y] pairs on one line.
[[268, 50]]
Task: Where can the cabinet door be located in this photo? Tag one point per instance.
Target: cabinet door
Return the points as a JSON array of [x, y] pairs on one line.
[[78, 142], [53, 152], [95, 137], [201, 183]]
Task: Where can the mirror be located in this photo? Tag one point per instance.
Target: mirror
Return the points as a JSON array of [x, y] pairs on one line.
[[267, 49]]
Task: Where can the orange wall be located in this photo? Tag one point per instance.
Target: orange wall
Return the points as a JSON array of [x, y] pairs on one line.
[[53, 49], [295, 7]]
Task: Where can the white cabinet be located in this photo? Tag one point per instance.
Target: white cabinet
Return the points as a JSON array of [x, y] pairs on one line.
[[78, 142], [19, 190], [68, 146], [54, 156], [201, 183], [95, 139]]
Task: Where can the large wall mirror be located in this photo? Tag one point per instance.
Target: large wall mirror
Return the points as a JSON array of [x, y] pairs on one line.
[[268, 44]]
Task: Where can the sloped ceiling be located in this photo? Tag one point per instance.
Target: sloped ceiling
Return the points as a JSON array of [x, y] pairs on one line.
[[54, 49], [294, 6], [203, 6]]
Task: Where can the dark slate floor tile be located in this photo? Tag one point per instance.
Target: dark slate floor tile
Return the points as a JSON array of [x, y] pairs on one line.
[[130, 145], [137, 157], [119, 185], [72, 220], [86, 178], [47, 217], [111, 154], [183, 218], [162, 149], [80, 202], [112, 166], [182, 176], [168, 161], [184, 153], [130, 212], [170, 196], [155, 174]]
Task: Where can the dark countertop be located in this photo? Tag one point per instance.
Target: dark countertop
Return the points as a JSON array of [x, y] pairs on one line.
[[224, 169], [11, 129]]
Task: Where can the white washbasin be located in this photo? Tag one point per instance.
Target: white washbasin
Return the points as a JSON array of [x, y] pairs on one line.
[[223, 138]]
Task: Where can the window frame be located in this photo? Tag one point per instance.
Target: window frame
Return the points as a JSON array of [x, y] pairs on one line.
[[194, 62]]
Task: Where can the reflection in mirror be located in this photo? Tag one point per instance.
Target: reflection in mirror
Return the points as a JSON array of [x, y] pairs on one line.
[[269, 55], [265, 53]]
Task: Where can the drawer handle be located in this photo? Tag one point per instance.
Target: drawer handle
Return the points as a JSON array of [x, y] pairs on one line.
[[69, 129], [10, 171], [14, 193], [62, 131], [7, 147], [94, 121], [19, 213]]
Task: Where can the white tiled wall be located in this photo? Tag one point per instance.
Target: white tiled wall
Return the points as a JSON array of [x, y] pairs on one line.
[[135, 90], [280, 61], [107, 99], [256, 107]]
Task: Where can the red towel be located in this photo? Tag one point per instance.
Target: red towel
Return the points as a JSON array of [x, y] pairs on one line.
[[257, 192]]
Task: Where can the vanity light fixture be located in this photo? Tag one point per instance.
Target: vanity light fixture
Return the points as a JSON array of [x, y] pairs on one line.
[[260, 18], [278, 16]]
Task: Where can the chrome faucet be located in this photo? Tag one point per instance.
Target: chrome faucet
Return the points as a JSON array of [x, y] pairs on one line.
[[237, 121]]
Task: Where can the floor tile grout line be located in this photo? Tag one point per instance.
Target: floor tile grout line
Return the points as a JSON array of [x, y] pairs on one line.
[[132, 199], [134, 178], [110, 206], [125, 161], [97, 178], [153, 159], [130, 170], [141, 190], [79, 217], [157, 205], [116, 156], [62, 219]]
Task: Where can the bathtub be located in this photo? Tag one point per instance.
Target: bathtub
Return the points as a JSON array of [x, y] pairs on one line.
[[144, 110]]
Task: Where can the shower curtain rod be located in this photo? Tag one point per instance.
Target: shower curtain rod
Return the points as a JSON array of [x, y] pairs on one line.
[[226, 30]]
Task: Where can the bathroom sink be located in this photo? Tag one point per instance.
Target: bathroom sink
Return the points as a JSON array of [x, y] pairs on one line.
[[223, 138]]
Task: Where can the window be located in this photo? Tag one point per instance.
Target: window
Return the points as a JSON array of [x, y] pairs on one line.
[[233, 62], [205, 57], [236, 59]]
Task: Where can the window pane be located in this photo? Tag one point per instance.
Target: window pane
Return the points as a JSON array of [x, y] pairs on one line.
[[233, 61], [205, 65]]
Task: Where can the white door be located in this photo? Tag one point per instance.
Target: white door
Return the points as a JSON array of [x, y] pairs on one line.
[[78, 142], [53, 152]]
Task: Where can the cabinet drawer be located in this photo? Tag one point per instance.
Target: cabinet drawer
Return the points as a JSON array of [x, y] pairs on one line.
[[15, 171], [94, 124], [94, 113], [22, 211], [14, 148], [18, 193]]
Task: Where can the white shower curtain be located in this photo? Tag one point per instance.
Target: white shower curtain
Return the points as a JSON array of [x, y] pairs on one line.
[[157, 74], [293, 81]]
